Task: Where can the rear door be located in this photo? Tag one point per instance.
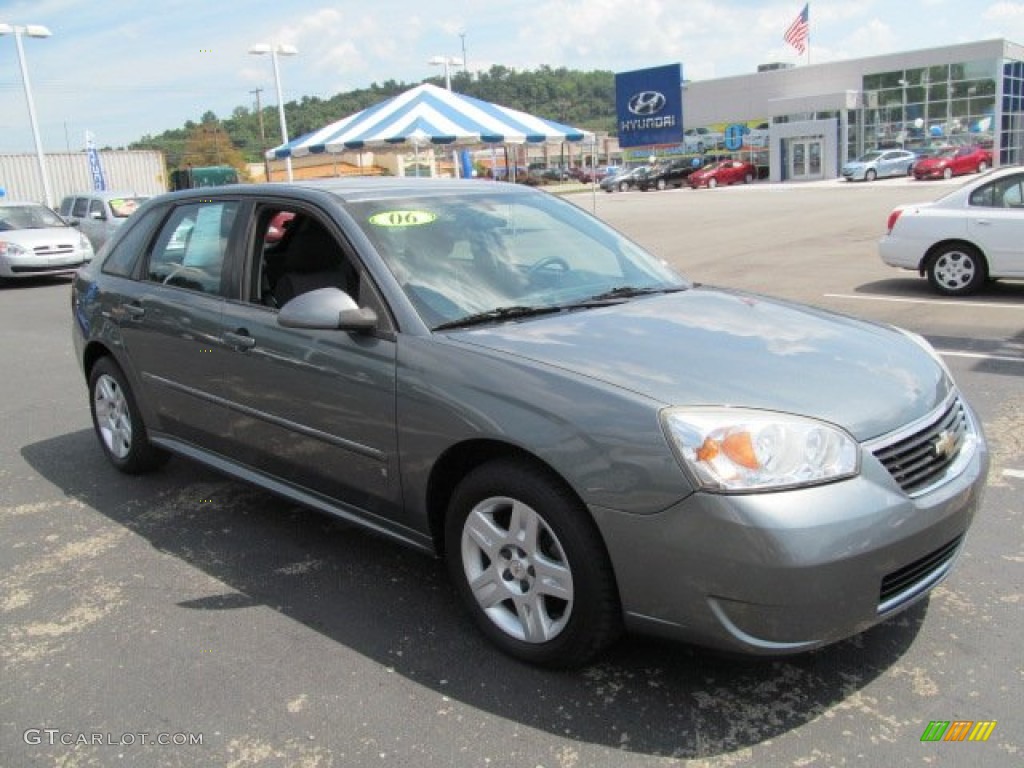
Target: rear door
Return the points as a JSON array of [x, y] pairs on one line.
[[170, 320], [996, 224]]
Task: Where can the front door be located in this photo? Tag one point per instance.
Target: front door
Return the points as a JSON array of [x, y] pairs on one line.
[[805, 159]]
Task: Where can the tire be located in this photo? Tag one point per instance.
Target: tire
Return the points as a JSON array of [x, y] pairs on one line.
[[660, 184], [982, 166], [117, 422], [947, 173], [530, 565], [957, 270], [712, 183], [870, 175], [748, 178], [623, 186]]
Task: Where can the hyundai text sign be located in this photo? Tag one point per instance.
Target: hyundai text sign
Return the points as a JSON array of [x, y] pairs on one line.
[[649, 106]]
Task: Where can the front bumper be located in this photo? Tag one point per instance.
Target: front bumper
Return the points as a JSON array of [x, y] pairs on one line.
[[33, 265], [784, 572]]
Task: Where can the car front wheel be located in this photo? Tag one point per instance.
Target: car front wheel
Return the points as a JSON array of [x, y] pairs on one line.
[[530, 565], [870, 175], [712, 183], [982, 166], [957, 270], [660, 184], [118, 424], [947, 173]]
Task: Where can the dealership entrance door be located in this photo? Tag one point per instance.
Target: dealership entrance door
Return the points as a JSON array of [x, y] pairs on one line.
[[804, 159]]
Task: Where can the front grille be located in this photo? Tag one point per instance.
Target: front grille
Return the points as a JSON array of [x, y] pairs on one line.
[[911, 580], [919, 459], [54, 249], [42, 270]]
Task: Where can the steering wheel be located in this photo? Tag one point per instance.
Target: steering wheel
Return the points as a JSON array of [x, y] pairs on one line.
[[546, 263]]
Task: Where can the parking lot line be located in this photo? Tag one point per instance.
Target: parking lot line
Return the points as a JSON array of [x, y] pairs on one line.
[[943, 302], [980, 356]]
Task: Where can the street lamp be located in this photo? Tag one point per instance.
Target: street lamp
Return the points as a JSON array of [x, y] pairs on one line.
[[32, 30], [446, 62], [278, 49]]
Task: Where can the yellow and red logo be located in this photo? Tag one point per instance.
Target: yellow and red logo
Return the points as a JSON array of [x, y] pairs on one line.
[[958, 730]]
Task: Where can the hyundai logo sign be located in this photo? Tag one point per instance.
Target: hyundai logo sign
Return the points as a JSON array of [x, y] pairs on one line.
[[646, 103]]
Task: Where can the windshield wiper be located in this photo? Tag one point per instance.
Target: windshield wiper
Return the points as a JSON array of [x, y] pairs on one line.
[[497, 314], [629, 291]]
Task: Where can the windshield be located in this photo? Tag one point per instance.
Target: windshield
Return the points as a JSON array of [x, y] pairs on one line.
[[123, 207], [28, 217], [459, 256]]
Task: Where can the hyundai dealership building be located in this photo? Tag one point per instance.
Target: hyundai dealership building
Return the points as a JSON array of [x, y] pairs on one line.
[[804, 122]]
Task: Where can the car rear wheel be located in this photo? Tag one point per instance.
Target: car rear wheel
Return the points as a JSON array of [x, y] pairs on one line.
[[957, 270], [530, 565], [947, 173], [118, 424], [748, 178], [982, 166], [870, 175], [660, 184], [623, 186]]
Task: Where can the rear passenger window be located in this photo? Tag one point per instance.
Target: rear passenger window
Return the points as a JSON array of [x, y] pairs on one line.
[[80, 207], [191, 247], [127, 246], [96, 207]]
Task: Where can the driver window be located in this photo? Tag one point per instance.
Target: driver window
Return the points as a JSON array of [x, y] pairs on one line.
[[191, 247]]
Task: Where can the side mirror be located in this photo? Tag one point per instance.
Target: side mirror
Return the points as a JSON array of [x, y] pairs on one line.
[[327, 309]]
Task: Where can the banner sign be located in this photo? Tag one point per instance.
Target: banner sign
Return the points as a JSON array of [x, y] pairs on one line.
[[99, 182], [649, 106]]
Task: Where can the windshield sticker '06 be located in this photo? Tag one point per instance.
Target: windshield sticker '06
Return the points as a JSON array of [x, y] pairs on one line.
[[402, 218]]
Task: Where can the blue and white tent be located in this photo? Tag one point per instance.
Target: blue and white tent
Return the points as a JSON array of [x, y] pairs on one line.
[[428, 115]]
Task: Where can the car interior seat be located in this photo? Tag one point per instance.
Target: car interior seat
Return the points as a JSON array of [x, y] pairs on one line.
[[314, 260]]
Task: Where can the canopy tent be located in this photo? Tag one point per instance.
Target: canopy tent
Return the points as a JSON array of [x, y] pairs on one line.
[[428, 115]]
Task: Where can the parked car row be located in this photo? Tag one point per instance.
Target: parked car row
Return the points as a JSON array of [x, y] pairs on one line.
[[924, 163]]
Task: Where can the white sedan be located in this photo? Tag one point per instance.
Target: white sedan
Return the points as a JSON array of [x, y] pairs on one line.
[[973, 234], [35, 241]]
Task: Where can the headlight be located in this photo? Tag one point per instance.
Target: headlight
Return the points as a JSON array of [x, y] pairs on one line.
[[11, 249], [738, 450]]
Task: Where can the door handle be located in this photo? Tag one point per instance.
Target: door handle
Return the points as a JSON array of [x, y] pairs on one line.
[[240, 339], [134, 311]]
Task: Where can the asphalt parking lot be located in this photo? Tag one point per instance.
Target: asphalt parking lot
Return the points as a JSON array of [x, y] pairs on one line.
[[184, 607]]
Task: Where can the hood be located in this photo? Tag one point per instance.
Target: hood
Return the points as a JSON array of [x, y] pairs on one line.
[[712, 347], [51, 237]]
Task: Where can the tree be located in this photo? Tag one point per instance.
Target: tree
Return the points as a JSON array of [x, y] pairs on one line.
[[209, 144]]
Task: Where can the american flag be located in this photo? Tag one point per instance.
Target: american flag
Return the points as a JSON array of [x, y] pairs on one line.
[[799, 31]]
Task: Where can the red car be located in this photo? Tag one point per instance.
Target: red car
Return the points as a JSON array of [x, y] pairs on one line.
[[953, 161], [724, 172]]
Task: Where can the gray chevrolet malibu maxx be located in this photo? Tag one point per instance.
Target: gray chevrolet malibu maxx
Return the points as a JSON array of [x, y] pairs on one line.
[[488, 373]]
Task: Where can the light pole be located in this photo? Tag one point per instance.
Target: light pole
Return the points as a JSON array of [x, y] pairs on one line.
[[32, 30], [278, 49], [446, 62]]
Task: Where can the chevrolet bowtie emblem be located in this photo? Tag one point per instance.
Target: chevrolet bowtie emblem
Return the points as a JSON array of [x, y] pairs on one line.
[[944, 445]]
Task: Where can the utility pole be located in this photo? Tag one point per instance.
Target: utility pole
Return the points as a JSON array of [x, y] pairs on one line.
[[263, 136]]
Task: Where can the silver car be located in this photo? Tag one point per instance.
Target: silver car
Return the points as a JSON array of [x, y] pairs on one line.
[[489, 374], [35, 241], [99, 214], [879, 164]]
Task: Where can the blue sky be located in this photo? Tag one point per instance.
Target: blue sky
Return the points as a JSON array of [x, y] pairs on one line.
[[129, 68]]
